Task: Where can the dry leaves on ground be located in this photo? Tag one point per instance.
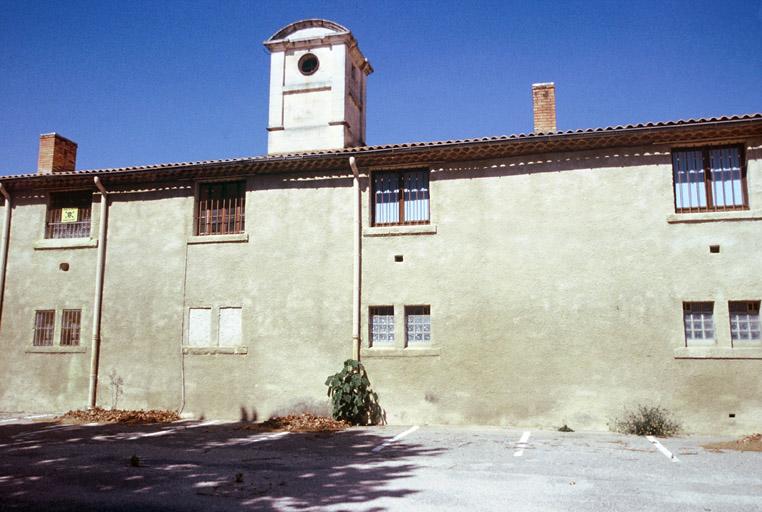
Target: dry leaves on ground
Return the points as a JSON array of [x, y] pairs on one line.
[[98, 415], [750, 443], [299, 423]]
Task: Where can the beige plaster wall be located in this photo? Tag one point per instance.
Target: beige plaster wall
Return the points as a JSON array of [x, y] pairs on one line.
[[555, 288]]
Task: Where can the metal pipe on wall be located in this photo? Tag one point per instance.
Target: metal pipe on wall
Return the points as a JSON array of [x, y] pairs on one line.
[[4, 243], [97, 303], [357, 262]]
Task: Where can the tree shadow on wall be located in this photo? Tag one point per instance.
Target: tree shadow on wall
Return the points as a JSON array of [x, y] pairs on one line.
[[196, 466]]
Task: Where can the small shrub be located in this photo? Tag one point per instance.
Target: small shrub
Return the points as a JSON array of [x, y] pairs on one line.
[[647, 420], [565, 428], [352, 398]]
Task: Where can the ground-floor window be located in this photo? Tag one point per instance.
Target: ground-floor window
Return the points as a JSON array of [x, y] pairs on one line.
[[744, 322], [417, 325], [698, 319], [381, 321]]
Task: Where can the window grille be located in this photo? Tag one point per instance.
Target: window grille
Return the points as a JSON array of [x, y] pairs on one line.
[[709, 179], [744, 322], [381, 325], [221, 208], [400, 198], [70, 323], [417, 325], [69, 215], [698, 318], [44, 324]]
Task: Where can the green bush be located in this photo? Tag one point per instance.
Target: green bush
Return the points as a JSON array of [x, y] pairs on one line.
[[352, 397], [647, 420]]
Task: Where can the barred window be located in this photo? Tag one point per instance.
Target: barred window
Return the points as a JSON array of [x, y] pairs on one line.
[[220, 209], [381, 326], [744, 322], [417, 325], [70, 323], [44, 324], [698, 318], [709, 179], [69, 214], [400, 198]]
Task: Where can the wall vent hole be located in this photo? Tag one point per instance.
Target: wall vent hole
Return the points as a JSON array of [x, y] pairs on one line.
[[714, 249], [732, 415], [398, 258], [64, 267]]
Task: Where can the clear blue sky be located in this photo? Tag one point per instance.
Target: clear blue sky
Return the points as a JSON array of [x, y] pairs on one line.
[[162, 81]]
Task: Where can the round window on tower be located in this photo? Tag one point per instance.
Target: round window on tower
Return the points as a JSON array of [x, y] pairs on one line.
[[308, 64]]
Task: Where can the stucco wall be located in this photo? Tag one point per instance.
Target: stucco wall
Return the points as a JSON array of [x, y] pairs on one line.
[[555, 286]]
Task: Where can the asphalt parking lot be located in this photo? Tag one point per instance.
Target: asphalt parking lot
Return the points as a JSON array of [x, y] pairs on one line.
[[213, 466]]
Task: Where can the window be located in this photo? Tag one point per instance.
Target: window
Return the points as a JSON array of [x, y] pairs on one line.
[[308, 64], [214, 327], [698, 318], [220, 208], [230, 327], [381, 326], [400, 198], [709, 179], [744, 322], [44, 324], [417, 325], [199, 327], [69, 215], [70, 322]]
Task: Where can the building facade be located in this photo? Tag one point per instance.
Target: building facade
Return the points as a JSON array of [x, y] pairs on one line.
[[529, 280]]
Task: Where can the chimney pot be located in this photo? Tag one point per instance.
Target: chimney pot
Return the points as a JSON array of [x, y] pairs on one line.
[[57, 154], [544, 103]]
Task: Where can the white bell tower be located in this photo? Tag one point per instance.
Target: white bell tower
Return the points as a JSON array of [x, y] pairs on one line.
[[317, 88]]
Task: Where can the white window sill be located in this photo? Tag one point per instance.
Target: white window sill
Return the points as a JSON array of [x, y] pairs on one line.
[[219, 239], [750, 352], [412, 229], [240, 350], [731, 216], [383, 352], [65, 243], [56, 349]]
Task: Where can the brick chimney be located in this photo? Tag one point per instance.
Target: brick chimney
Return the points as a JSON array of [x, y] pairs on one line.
[[544, 103], [57, 154]]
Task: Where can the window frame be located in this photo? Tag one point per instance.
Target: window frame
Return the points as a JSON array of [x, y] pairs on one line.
[[699, 342], [50, 196], [410, 310], [71, 339], [378, 311], [51, 328], [196, 220], [400, 198], [710, 203], [740, 342]]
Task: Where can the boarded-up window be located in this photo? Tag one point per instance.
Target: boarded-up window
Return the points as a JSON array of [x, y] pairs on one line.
[[199, 327], [70, 324], [400, 198], [44, 324], [698, 319], [221, 208], [69, 214], [417, 325], [230, 327], [381, 320], [744, 322]]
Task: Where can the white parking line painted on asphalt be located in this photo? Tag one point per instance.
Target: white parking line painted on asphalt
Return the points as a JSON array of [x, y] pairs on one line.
[[662, 449], [395, 438], [9, 420], [522, 444]]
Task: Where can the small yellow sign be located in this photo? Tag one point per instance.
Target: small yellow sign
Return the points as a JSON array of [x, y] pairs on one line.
[[69, 214]]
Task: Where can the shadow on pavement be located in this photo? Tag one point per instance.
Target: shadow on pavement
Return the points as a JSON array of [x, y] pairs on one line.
[[192, 466]]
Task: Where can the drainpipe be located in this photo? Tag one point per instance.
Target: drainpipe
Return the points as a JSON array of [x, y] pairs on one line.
[[4, 243], [96, 342], [357, 265]]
